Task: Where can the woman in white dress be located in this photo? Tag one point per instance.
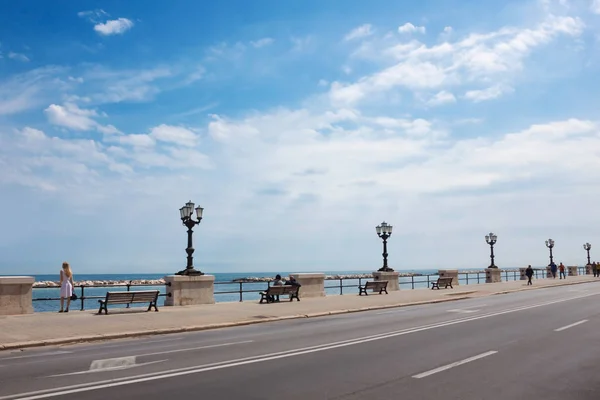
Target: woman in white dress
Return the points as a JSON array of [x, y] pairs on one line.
[[66, 286]]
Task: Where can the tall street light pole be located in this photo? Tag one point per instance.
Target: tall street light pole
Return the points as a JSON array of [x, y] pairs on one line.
[[189, 222], [587, 247], [384, 231], [550, 245], [491, 239]]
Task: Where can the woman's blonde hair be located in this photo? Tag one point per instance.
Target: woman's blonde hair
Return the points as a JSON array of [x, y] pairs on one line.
[[67, 269]]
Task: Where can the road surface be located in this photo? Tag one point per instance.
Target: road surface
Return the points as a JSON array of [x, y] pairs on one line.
[[541, 344]]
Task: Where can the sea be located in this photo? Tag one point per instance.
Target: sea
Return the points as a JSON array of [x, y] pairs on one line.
[[47, 299]]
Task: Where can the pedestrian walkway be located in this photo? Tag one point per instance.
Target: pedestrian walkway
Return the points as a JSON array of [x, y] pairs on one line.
[[54, 328]]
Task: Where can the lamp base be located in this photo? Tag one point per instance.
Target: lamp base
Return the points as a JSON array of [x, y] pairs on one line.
[[189, 272], [385, 269], [493, 266]]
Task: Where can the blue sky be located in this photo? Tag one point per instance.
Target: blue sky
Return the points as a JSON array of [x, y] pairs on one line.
[[299, 126]]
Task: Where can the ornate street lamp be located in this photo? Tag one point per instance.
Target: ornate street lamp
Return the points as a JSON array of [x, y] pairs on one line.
[[587, 247], [384, 231], [491, 239], [550, 245], [187, 212]]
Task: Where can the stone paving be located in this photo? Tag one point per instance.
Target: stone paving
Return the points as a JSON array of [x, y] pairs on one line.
[[40, 329]]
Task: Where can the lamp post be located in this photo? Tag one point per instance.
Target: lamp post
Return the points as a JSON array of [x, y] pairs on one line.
[[384, 231], [491, 239], [587, 247], [550, 245], [188, 221]]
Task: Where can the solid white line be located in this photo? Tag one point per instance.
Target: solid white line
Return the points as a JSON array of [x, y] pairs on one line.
[[390, 312], [454, 364], [84, 387], [570, 326], [53, 353]]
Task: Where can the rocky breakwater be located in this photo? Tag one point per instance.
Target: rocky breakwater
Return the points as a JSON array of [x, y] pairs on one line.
[[140, 282], [252, 279]]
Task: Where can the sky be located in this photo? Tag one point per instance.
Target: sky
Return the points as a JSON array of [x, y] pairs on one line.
[[299, 126]]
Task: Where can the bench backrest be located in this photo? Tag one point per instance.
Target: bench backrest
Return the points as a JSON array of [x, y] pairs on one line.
[[282, 289], [376, 284], [132, 297], [445, 279]]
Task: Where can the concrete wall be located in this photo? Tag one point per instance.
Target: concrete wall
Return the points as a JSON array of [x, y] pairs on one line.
[[15, 295], [190, 290], [313, 284]]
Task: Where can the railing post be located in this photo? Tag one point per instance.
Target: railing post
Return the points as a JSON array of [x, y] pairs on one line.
[[242, 291], [82, 298], [128, 287], [412, 281], [467, 279], [341, 287]]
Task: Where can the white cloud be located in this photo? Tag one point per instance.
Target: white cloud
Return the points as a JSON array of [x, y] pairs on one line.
[[262, 42], [595, 6], [93, 15], [115, 86], [489, 93], [448, 30], [359, 32], [174, 134], [481, 58], [23, 92], [18, 57], [114, 27], [72, 117], [440, 98], [410, 28]]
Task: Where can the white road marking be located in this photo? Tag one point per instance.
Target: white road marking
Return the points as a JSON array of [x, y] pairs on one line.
[[570, 326], [193, 348], [107, 369], [53, 353], [390, 312], [454, 364], [462, 310], [85, 387]]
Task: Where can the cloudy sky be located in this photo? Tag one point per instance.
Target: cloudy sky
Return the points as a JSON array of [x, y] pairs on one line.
[[299, 126]]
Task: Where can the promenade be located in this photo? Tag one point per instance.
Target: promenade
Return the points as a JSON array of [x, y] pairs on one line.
[[40, 329]]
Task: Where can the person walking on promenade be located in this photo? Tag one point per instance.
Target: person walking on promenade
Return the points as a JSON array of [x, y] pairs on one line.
[[553, 269], [561, 268], [595, 268], [529, 274], [66, 286]]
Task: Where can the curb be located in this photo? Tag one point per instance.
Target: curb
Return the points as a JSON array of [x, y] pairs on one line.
[[198, 328]]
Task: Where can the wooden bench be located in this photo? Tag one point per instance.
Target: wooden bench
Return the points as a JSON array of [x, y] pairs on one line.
[[272, 291], [442, 281], [375, 285], [146, 296]]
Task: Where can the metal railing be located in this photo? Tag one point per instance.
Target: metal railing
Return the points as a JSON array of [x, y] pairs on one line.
[[81, 297], [333, 286]]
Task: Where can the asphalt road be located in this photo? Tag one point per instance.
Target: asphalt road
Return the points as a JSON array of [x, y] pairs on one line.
[[536, 344]]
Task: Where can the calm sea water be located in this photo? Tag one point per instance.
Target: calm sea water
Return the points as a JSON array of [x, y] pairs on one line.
[[225, 290]]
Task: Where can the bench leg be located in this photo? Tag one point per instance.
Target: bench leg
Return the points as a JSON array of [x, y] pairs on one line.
[[385, 290], [294, 296], [152, 305], [362, 290]]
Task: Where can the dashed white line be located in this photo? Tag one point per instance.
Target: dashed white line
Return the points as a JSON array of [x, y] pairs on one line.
[[570, 326], [193, 348], [454, 364]]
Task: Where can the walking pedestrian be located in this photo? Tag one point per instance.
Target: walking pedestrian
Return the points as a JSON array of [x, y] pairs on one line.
[[553, 269], [66, 286], [595, 268], [529, 274], [561, 268]]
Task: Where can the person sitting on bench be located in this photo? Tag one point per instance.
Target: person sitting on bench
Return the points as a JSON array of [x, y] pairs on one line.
[[277, 282]]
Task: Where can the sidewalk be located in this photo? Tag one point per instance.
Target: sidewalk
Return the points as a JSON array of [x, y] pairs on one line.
[[78, 326]]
